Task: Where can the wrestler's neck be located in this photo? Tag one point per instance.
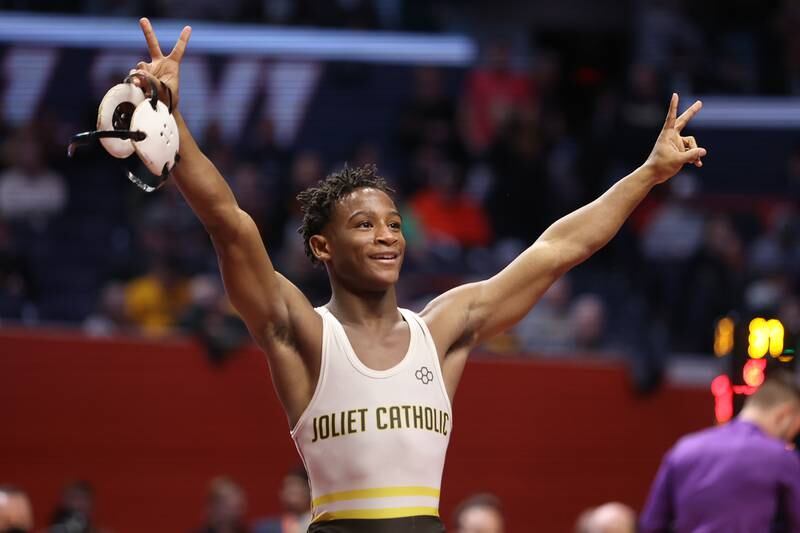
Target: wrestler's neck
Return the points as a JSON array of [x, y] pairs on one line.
[[364, 308]]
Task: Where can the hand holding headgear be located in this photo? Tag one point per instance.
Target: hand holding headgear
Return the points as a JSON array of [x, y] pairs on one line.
[[129, 121]]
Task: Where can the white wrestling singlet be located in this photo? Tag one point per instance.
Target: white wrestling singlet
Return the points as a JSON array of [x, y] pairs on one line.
[[374, 441]]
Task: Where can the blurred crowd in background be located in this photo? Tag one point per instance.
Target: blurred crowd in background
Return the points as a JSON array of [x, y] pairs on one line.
[[482, 159], [226, 511]]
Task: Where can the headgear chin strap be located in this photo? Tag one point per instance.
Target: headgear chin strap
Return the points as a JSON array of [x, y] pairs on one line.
[[128, 122]]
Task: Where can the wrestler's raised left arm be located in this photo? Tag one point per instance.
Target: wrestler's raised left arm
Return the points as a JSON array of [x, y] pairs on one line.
[[468, 314]]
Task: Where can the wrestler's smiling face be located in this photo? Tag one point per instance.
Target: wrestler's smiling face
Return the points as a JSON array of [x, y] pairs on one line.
[[363, 242]]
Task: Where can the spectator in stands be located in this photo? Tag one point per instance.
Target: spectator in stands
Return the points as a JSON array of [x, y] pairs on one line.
[[250, 184], [675, 229], [226, 508], [548, 327], [638, 112], [260, 179], [74, 513], [16, 514], [588, 317], [218, 146], [29, 190], [789, 312], [446, 213], [736, 477], [307, 168], [429, 118], [778, 249], [494, 94], [710, 287], [763, 295], [156, 300], [613, 517], [295, 497], [520, 189], [261, 148], [110, 317], [212, 319], [165, 226], [548, 78], [661, 29], [671, 235], [480, 513], [16, 279], [560, 324], [368, 152]]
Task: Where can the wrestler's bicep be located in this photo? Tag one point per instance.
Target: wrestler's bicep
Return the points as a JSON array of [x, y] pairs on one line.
[[269, 304]]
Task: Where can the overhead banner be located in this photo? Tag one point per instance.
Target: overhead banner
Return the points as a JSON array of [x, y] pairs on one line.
[[229, 73]]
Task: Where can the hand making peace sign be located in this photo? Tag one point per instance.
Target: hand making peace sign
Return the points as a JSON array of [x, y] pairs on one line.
[[163, 68], [672, 151]]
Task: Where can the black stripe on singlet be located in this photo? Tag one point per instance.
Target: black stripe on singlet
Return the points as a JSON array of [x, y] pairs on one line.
[[414, 524]]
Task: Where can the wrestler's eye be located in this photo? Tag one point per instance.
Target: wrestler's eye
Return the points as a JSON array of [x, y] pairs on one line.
[[364, 224]]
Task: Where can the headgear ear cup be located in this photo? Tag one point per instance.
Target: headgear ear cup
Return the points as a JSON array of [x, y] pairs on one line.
[[129, 122], [115, 113], [158, 151]]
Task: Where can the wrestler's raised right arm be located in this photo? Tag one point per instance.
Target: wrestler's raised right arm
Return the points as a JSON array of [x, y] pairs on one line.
[[277, 314]]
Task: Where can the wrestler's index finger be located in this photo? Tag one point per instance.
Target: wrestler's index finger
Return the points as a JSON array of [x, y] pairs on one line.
[[669, 123], [150, 37]]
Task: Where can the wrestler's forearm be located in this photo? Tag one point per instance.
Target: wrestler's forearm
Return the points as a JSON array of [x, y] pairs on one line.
[[203, 186], [501, 301], [583, 232]]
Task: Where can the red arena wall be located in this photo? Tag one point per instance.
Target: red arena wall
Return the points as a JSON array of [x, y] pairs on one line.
[[149, 423]]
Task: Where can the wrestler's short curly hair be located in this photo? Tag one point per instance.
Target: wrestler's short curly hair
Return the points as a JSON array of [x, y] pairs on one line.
[[317, 202]]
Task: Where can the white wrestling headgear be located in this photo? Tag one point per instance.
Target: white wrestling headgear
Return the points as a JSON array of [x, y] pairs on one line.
[[128, 122]]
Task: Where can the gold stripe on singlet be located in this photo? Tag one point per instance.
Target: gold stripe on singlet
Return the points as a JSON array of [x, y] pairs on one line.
[[383, 492]]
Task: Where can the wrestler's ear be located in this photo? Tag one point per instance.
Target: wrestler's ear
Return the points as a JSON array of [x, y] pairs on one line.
[[320, 247]]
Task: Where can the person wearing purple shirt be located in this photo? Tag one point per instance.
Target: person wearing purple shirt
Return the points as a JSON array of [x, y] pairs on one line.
[[738, 477]]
